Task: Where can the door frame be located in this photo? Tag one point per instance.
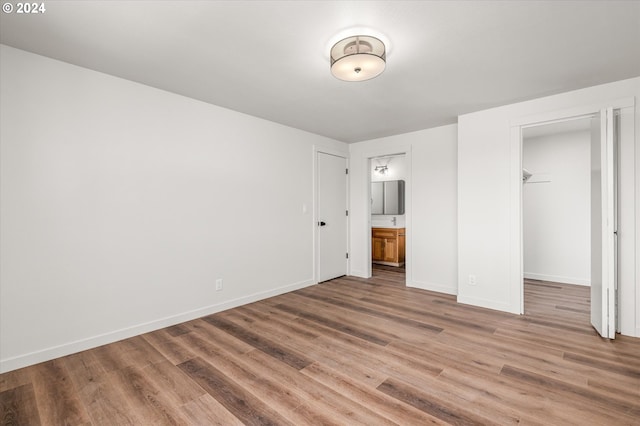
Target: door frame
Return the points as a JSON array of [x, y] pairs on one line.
[[369, 156], [316, 207], [516, 260]]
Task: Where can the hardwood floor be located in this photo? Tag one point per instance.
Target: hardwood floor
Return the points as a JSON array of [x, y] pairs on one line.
[[348, 351]]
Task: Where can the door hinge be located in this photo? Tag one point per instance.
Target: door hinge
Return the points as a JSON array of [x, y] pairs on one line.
[[346, 171], [346, 212], [347, 255]]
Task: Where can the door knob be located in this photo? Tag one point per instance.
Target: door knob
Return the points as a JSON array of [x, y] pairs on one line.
[[321, 223]]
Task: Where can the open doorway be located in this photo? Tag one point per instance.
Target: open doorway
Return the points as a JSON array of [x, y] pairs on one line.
[[556, 221], [614, 294], [602, 212], [388, 217]]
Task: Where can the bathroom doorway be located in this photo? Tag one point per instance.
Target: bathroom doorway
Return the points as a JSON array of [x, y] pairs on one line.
[[388, 175]]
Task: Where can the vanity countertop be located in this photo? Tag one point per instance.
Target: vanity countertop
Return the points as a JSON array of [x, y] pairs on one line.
[[389, 223]]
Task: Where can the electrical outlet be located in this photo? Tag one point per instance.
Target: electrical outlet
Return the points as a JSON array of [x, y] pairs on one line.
[[472, 280], [219, 284]]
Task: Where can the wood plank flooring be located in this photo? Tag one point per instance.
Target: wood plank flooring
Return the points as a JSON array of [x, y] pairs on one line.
[[345, 352]]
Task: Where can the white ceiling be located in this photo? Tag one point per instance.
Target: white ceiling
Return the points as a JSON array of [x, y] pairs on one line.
[[270, 58]]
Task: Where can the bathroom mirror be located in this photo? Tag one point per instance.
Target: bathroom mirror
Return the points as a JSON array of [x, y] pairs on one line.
[[387, 197], [377, 195]]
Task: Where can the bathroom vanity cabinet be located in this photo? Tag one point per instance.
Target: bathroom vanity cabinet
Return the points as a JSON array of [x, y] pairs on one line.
[[387, 246]]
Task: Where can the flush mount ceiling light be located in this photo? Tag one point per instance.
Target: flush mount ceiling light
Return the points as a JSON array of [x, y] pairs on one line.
[[358, 58]]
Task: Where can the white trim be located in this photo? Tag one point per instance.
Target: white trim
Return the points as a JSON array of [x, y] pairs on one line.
[[439, 288], [561, 120], [486, 303], [628, 239], [515, 295], [358, 273], [635, 129], [568, 114], [13, 363], [557, 279]]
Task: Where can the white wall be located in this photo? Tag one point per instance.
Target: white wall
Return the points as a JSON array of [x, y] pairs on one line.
[[489, 176], [430, 205], [556, 213], [122, 204]]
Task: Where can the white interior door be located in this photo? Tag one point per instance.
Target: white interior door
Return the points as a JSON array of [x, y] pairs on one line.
[[332, 216], [603, 224]]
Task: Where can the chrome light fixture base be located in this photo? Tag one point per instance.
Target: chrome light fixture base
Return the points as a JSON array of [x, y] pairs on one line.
[[358, 58]]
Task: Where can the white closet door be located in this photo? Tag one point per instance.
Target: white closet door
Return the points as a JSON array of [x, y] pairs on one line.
[[603, 224]]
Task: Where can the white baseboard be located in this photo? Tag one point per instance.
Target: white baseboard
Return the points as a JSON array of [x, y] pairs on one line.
[[359, 274], [439, 288], [557, 279], [69, 348], [489, 304]]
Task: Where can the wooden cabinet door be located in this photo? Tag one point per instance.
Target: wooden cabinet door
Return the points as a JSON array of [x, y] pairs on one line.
[[387, 246], [391, 250], [377, 248]]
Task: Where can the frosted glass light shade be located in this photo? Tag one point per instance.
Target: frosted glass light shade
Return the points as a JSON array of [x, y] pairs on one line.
[[358, 58]]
